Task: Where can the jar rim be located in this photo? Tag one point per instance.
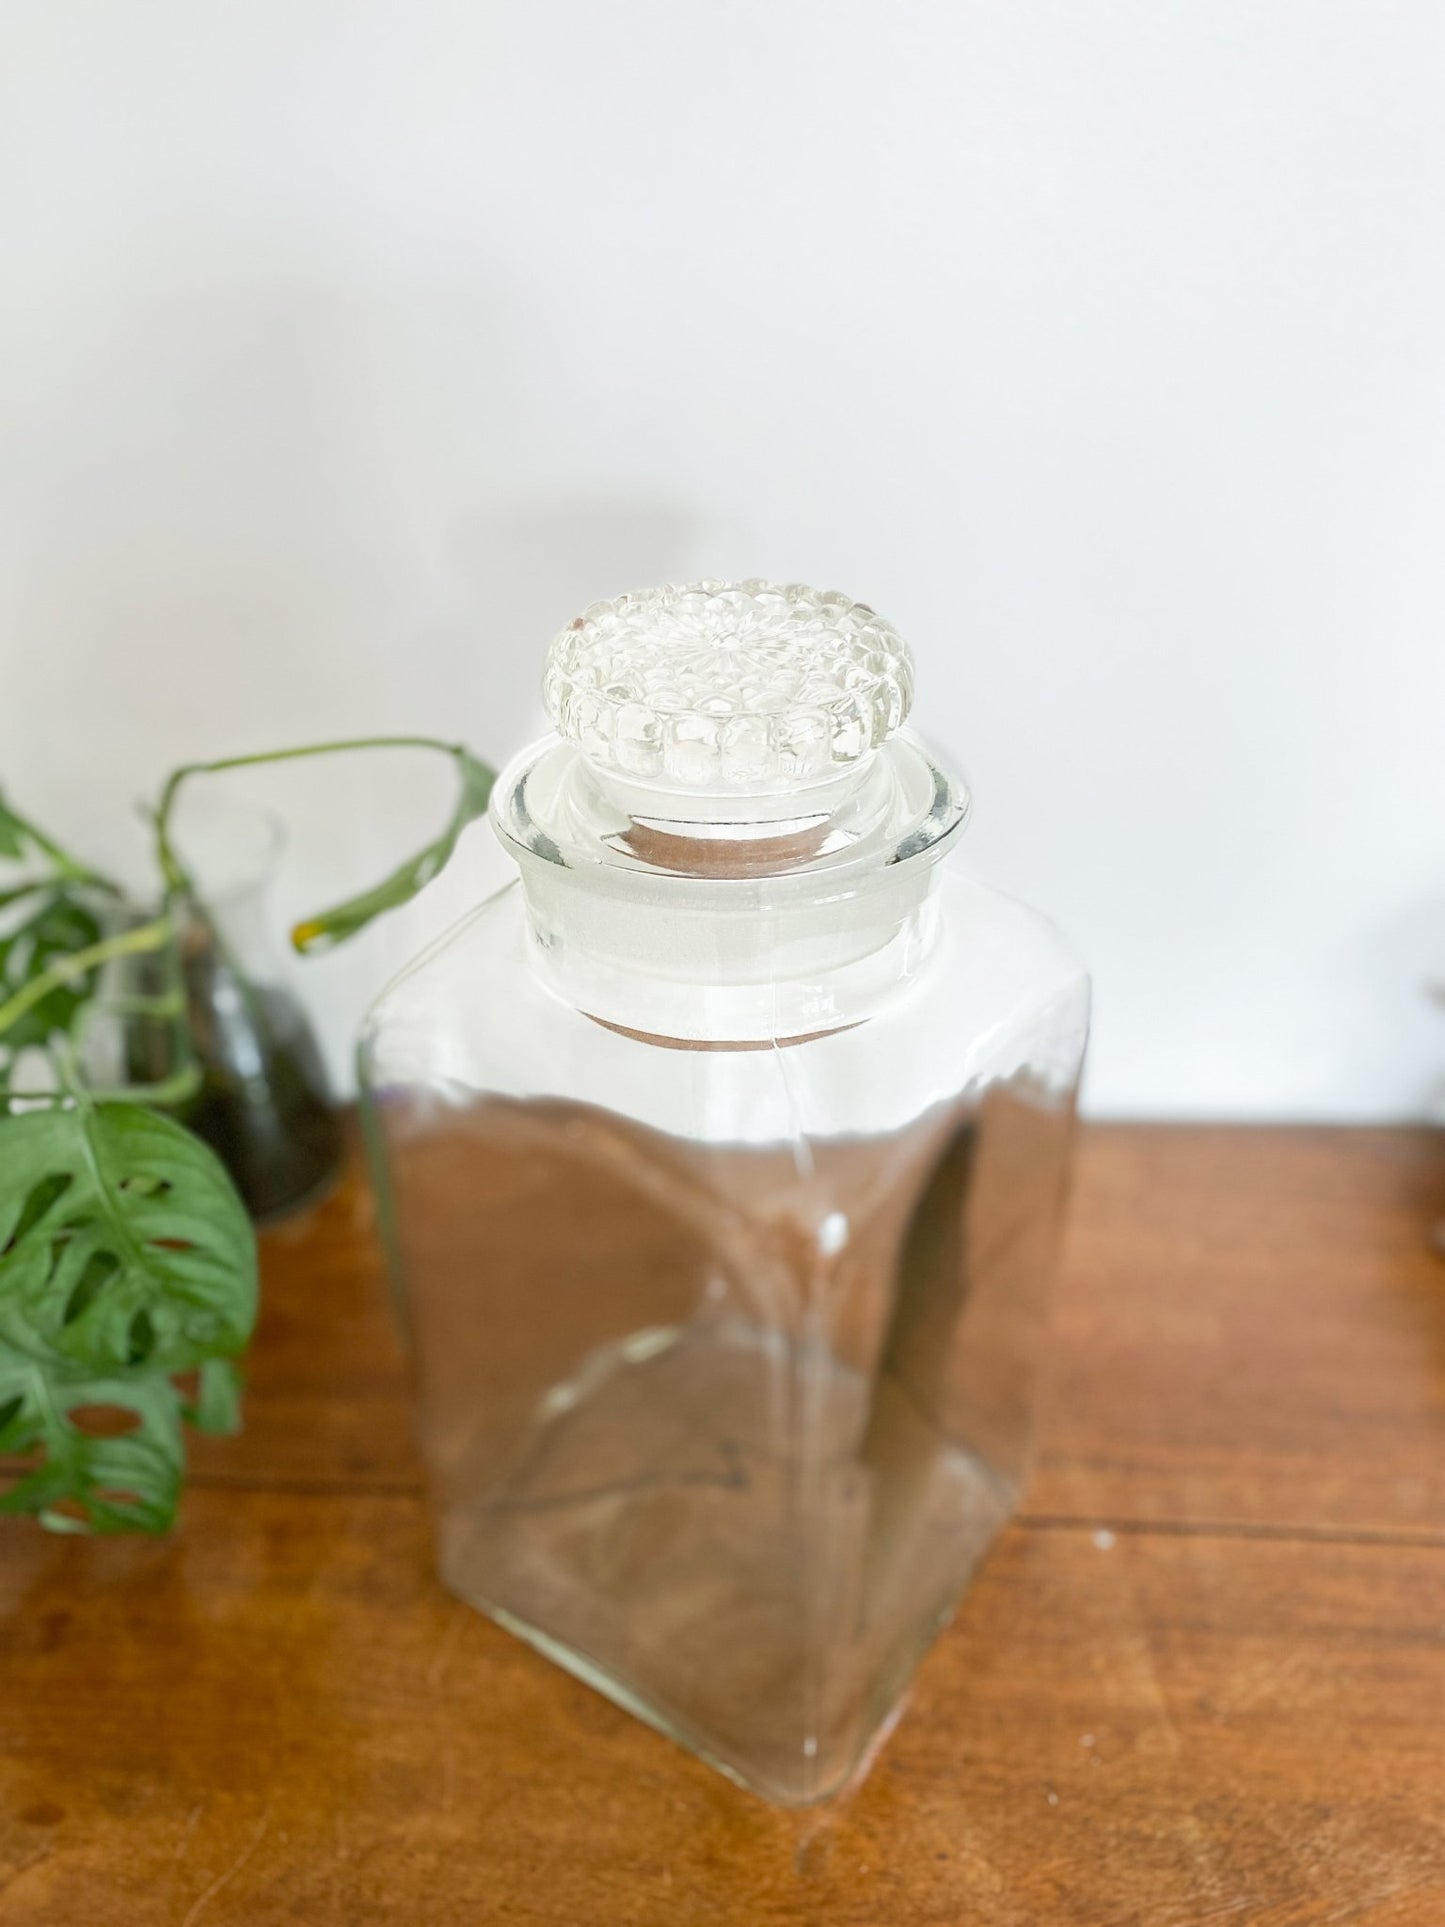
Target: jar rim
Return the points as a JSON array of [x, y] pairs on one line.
[[906, 809]]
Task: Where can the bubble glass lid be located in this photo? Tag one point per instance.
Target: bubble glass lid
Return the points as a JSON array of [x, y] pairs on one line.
[[727, 712], [717, 689]]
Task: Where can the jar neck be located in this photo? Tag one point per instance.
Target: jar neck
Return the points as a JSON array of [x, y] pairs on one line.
[[752, 928], [735, 815]]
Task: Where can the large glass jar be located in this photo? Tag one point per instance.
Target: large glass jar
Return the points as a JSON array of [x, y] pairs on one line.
[[722, 1163]]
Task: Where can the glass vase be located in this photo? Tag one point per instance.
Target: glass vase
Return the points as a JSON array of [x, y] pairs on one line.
[[207, 1029]]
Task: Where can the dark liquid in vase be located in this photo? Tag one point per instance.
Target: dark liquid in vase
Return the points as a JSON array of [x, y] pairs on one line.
[[263, 1105]]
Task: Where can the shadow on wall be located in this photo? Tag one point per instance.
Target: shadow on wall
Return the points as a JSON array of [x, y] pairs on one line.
[[250, 507], [246, 510], [534, 563]]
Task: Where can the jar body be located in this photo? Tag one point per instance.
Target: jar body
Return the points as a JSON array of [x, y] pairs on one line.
[[723, 1347]]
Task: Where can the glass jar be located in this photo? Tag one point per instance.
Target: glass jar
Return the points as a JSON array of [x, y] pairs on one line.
[[721, 1161]]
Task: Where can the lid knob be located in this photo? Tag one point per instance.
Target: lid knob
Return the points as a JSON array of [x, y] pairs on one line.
[[717, 689]]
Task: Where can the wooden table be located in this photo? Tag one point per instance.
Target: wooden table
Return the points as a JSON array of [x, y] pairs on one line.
[[1202, 1679]]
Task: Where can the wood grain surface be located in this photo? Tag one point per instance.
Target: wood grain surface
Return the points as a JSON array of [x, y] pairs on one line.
[[1201, 1679]]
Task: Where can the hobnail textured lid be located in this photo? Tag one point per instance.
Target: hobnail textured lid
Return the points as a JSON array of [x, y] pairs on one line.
[[727, 688]]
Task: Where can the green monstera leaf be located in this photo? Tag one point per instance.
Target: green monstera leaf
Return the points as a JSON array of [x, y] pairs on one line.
[[49, 922], [45, 920], [122, 1241], [126, 1258], [123, 1477]]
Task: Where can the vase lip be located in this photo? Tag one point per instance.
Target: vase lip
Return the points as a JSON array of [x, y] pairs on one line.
[[232, 848]]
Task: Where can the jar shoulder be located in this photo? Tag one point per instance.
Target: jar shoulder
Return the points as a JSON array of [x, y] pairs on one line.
[[998, 995]]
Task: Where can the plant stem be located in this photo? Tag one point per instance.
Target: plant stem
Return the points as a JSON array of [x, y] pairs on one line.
[[129, 943], [171, 866], [68, 866]]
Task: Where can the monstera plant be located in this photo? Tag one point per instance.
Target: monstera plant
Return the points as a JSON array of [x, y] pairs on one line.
[[128, 1277]]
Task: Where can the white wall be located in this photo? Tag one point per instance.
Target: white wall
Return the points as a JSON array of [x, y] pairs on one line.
[[347, 348]]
